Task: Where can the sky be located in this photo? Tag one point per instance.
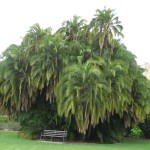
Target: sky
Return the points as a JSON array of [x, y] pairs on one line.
[[16, 16]]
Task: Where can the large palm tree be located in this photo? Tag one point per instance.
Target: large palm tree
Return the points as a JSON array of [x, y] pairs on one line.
[[82, 92], [47, 66], [89, 88], [17, 77], [127, 82], [107, 25]]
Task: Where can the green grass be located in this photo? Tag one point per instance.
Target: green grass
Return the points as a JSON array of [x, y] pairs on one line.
[[10, 141]]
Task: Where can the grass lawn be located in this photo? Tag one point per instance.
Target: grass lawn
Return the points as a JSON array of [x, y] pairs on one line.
[[10, 141]]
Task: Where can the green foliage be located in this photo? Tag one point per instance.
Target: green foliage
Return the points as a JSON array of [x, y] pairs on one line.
[[7, 123], [146, 127], [136, 132], [38, 118], [81, 88], [107, 25], [4, 119], [109, 132], [26, 134], [78, 78]]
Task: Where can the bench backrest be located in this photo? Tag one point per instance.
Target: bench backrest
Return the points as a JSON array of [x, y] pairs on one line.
[[55, 133]]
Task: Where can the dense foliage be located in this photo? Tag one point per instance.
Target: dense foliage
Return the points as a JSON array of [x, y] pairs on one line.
[[145, 127], [81, 75]]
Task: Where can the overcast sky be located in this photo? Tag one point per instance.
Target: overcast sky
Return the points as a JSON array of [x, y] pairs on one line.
[[16, 16]]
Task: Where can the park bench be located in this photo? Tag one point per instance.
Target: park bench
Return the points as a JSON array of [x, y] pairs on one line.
[[53, 133]]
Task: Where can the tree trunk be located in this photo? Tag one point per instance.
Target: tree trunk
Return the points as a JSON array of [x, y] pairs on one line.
[[89, 132]]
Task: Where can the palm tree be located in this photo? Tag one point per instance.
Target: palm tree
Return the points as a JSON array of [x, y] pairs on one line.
[[107, 25], [71, 28], [31, 41], [127, 81], [47, 66], [17, 77], [66, 69], [81, 92]]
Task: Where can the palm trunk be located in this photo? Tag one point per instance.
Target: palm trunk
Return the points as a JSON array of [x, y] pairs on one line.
[[89, 132]]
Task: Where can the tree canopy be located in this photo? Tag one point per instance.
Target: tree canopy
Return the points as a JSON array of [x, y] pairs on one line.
[[83, 68]]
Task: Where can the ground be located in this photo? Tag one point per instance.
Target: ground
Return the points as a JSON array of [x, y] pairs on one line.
[[10, 141]]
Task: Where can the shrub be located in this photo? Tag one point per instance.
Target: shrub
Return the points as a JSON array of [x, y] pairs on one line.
[[8, 124], [26, 135], [136, 132], [38, 118], [110, 132]]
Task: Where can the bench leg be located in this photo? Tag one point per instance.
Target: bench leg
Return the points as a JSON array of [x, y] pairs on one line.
[[40, 137]]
